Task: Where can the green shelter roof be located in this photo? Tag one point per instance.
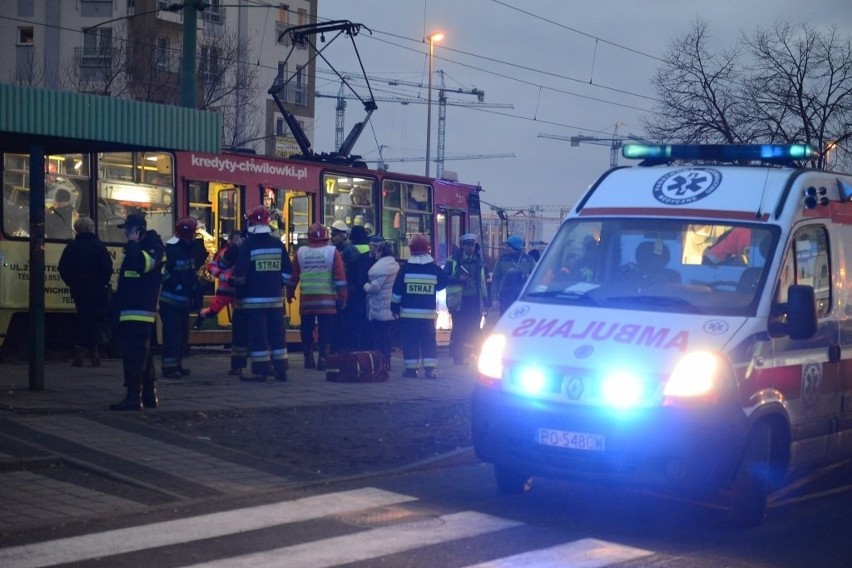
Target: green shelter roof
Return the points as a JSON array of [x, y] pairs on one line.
[[66, 122]]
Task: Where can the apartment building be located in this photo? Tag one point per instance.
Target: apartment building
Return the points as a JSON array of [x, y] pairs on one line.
[[133, 49]]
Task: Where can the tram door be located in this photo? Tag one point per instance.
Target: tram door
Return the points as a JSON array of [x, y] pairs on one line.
[[216, 206], [297, 215]]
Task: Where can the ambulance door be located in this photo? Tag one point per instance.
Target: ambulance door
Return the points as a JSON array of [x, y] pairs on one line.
[[297, 214], [806, 372]]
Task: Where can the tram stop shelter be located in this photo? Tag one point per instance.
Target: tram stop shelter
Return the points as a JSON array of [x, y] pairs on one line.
[[40, 122]]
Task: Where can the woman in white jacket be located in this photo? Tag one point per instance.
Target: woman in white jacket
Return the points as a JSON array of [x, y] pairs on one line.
[[379, 286]]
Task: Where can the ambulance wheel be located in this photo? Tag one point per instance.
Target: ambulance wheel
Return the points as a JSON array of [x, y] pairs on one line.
[[749, 491], [510, 481]]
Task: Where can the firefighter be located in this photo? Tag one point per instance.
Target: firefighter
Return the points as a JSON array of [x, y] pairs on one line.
[[135, 302], [262, 272], [185, 254], [413, 301], [221, 268], [319, 273]]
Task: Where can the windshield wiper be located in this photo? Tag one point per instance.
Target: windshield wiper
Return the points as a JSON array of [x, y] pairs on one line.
[[657, 301], [569, 295]]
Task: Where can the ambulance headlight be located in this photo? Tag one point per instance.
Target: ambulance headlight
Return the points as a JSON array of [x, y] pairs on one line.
[[490, 362], [622, 389], [698, 377]]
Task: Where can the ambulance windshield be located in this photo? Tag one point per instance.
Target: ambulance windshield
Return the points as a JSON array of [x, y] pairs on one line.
[[656, 264]]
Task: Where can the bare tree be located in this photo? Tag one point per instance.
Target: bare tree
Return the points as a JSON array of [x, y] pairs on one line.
[[229, 84], [786, 84], [29, 69], [698, 92], [99, 66], [800, 86]]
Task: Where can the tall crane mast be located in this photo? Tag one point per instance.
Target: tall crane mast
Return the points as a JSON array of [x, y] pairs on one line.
[[443, 102]]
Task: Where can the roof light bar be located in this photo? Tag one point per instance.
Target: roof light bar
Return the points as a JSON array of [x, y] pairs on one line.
[[719, 152]]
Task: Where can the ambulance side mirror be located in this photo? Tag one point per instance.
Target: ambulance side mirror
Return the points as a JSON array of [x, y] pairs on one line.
[[801, 312]]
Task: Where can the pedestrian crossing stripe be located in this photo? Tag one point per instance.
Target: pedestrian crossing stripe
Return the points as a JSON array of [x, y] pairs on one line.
[[368, 545], [584, 553], [355, 547], [167, 533]]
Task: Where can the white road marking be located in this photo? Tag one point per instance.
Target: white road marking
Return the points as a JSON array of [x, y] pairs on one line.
[[585, 553], [370, 544], [168, 533]]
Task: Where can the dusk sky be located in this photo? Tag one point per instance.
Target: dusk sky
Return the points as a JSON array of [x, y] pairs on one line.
[[567, 67]]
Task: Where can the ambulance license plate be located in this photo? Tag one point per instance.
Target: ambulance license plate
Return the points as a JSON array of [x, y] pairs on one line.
[[570, 440]]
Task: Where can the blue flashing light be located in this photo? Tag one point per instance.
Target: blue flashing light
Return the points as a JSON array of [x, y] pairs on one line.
[[719, 152], [532, 380], [622, 390]]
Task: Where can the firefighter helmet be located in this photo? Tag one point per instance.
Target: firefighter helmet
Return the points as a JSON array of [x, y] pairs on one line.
[[258, 216], [317, 233], [185, 228], [419, 245]]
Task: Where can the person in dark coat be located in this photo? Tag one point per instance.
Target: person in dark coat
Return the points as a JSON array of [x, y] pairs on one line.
[[260, 277], [185, 255], [355, 323], [139, 280], [86, 266], [414, 302]]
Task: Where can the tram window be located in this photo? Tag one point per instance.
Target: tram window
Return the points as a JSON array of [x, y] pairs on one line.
[[135, 182], [66, 177], [406, 211], [349, 199]]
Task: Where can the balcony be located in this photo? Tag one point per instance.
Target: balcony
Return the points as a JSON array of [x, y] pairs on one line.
[[295, 95], [279, 29], [90, 58]]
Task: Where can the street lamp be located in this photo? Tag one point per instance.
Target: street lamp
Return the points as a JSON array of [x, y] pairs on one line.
[[437, 36]]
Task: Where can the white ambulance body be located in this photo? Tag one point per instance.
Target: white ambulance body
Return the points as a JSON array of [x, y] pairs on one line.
[[688, 328]]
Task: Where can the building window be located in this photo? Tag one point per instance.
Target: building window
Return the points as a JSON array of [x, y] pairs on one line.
[[301, 97], [97, 48], [302, 16], [96, 8], [282, 23], [209, 65], [25, 36], [162, 54], [213, 12], [280, 126]]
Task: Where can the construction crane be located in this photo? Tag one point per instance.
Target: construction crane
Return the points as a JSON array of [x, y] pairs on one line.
[[443, 102], [615, 143], [382, 162]]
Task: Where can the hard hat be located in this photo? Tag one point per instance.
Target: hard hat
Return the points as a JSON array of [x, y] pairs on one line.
[[516, 242], [340, 227], [419, 245], [258, 216], [317, 233], [186, 227]]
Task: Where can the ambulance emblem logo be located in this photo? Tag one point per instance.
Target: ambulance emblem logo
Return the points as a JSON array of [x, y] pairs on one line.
[[811, 380], [685, 186]]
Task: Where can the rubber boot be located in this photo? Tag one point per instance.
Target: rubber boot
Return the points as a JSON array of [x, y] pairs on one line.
[[131, 401], [79, 355], [309, 359], [149, 396], [95, 357], [321, 359]]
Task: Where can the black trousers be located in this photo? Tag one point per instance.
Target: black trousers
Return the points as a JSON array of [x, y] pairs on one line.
[[175, 334], [91, 317], [325, 324], [138, 360], [464, 338]]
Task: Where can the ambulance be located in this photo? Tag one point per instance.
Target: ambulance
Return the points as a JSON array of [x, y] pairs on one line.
[[688, 329]]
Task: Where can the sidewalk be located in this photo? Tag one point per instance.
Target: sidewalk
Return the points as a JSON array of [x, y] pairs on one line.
[[68, 423]]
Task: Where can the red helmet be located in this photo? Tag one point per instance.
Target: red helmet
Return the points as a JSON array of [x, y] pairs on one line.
[[185, 227], [258, 216], [419, 244], [317, 233]]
